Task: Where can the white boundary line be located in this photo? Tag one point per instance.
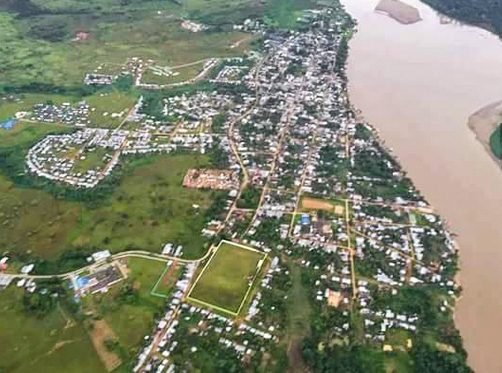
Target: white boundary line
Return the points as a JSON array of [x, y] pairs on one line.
[[239, 245]]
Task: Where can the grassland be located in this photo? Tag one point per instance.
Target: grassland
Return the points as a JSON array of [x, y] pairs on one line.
[[53, 344], [9, 107], [224, 282], [109, 103], [130, 320], [149, 208], [26, 58]]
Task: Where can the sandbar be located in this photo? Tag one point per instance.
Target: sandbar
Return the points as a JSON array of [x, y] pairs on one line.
[[483, 122], [399, 11]]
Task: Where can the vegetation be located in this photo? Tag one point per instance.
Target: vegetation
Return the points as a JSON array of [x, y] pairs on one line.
[[226, 279], [484, 13], [250, 198], [343, 359], [78, 222], [496, 142]]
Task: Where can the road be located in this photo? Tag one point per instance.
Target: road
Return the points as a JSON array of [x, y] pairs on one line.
[[125, 254], [287, 120], [235, 151]]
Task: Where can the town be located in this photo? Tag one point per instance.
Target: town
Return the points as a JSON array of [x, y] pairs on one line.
[[308, 183]]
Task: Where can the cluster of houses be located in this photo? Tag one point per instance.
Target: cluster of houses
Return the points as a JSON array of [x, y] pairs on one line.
[[76, 115], [208, 65], [63, 158], [302, 138], [147, 360], [230, 74], [99, 79]]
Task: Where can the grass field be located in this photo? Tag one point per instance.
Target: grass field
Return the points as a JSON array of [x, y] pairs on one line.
[[149, 208], [25, 133], [166, 281], [110, 102], [225, 281], [52, 344], [27, 55]]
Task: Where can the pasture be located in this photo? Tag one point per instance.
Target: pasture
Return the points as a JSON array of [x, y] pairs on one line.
[[226, 280], [55, 343]]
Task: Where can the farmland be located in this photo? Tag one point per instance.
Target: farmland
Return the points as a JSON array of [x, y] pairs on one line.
[[226, 278]]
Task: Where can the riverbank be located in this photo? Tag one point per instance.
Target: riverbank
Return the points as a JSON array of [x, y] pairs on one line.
[[483, 122], [399, 11], [428, 72]]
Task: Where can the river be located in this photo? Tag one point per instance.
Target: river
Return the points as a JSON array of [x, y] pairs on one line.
[[418, 84]]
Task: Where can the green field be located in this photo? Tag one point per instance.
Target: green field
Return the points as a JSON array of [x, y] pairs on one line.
[[25, 133], [130, 319], [55, 343], [147, 209], [109, 102], [496, 142], [40, 48], [225, 281]]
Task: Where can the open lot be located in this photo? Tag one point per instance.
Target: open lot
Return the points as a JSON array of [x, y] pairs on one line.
[[51, 344], [107, 104], [226, 280]]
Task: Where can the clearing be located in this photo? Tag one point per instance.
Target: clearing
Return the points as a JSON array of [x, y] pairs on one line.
[[100, 333]]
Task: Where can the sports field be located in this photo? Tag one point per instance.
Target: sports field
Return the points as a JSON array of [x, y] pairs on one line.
[[226, 280]]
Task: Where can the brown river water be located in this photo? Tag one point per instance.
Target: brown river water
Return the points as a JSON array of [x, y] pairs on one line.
[[418, 84]]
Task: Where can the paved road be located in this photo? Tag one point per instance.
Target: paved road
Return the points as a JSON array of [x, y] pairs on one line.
[[125, 254]]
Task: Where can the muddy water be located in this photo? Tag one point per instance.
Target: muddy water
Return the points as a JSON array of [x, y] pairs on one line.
[[418, 84]]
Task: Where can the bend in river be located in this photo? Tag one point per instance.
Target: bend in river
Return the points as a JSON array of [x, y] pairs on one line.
[[418, 84]]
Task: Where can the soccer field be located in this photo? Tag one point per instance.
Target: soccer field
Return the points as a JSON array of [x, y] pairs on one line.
[[226, 280]]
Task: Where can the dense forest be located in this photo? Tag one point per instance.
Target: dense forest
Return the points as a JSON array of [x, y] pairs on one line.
[[483, 13]]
